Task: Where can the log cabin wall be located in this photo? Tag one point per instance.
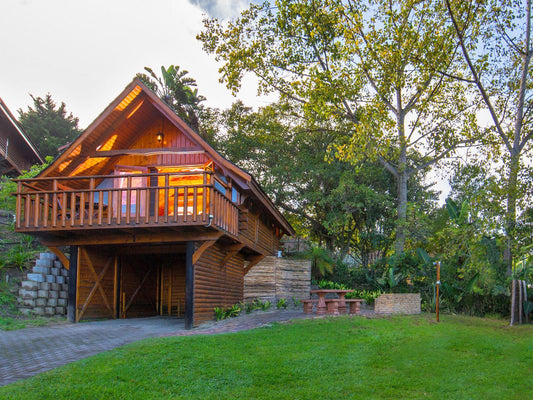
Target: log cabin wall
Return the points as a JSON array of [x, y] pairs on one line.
[[95, 294], [216, 285], [256, 231]]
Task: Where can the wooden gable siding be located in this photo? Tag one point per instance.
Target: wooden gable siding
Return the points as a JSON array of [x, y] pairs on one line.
[[215, 285], [96, 296], [173, 138]]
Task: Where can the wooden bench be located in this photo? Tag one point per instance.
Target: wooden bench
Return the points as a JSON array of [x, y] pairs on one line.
[[308, 306], [354, 305]]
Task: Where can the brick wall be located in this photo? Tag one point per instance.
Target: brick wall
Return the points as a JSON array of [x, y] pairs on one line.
[[278, 278], [398, 303]]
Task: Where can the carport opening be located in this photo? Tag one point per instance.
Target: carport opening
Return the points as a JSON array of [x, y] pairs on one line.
[[152, 285], [115, 284]]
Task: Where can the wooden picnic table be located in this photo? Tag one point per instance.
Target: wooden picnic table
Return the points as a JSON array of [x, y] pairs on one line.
[[321, 305]]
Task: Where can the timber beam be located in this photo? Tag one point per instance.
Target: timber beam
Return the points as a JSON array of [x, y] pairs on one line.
[[62, 257], [122, 238], [253, 261], [200, 250], [231, 251]]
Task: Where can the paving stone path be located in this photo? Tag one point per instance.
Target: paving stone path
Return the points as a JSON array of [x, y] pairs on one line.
[[27, 352]]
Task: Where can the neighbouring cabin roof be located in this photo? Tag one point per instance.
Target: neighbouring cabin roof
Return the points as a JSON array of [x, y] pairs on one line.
[[17, 152], [118, 136]]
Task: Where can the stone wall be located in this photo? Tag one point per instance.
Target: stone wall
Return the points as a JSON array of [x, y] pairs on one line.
[[278, 278], [398, 303], [45, 290]]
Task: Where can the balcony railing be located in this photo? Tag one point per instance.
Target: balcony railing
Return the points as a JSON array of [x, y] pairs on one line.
[[49, 204]]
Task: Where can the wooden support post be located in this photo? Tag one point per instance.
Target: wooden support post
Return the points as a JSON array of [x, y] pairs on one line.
[[189, 285], [72, 284], [170, 293]]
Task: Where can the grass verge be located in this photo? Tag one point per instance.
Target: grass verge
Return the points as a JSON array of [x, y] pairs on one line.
[[354, 358]]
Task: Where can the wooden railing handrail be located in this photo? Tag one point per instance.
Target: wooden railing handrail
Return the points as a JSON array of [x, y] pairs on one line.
[[88, 177], [96, 190]]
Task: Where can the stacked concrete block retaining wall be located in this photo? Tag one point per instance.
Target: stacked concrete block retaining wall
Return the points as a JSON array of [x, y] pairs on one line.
[[45, 290], [278, 278], [398, 303]]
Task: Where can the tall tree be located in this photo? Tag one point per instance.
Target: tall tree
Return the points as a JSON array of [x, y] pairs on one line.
[[495, 41], [47, 125], [377, 70], [344, 207], [178, 90]]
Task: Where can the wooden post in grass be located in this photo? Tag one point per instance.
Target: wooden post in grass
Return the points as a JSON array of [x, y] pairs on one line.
[[438, 287]]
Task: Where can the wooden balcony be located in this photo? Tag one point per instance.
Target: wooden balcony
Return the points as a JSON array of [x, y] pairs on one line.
[[48, 205]]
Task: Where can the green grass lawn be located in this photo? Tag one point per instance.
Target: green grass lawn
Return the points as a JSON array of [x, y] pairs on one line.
[[354, 358]]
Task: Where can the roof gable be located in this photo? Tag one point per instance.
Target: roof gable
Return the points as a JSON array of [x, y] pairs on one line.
[[131, 122], [16, 150]]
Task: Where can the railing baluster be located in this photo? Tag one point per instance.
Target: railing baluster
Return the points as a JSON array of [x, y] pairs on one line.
[[46, 210], [63, 208], [128, 200], [91, 202], [54, 204], [137, 205], [119, 206], [37, 209], [72, 208], [147, 206], [110, 206], [194, 203], [166, 198], [185, 204], [101, 206], [82, 208], [176, 194], [156, 205]]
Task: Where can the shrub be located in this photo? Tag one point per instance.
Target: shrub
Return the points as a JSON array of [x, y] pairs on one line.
[[282, 303]]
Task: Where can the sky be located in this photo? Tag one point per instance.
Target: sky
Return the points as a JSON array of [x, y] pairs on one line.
[[85, 52]]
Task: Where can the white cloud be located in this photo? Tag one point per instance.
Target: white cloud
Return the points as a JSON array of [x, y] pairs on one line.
[[85, 53], [222, 8]]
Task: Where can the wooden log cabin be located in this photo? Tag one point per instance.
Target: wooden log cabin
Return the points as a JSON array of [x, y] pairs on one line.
[[17, 153], [154, 220]]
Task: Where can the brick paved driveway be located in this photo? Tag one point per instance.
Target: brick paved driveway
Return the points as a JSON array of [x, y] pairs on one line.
[[27, 352]]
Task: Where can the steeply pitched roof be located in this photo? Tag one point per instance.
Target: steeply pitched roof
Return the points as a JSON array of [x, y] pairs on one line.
[[12, 134], [132, 99]]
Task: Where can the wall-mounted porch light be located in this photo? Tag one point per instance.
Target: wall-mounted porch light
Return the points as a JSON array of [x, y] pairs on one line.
[[159, 136]]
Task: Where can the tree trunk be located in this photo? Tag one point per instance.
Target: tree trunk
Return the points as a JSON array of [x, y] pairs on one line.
[[513, 301], [510, 217], [399, 244]]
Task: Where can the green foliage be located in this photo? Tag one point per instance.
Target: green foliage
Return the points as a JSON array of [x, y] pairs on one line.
[[281, 304], [325, 284], [8, 187], [296, 301], [390, 279], [369, 296], [364, 67], [178, 90], [48, 126]]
